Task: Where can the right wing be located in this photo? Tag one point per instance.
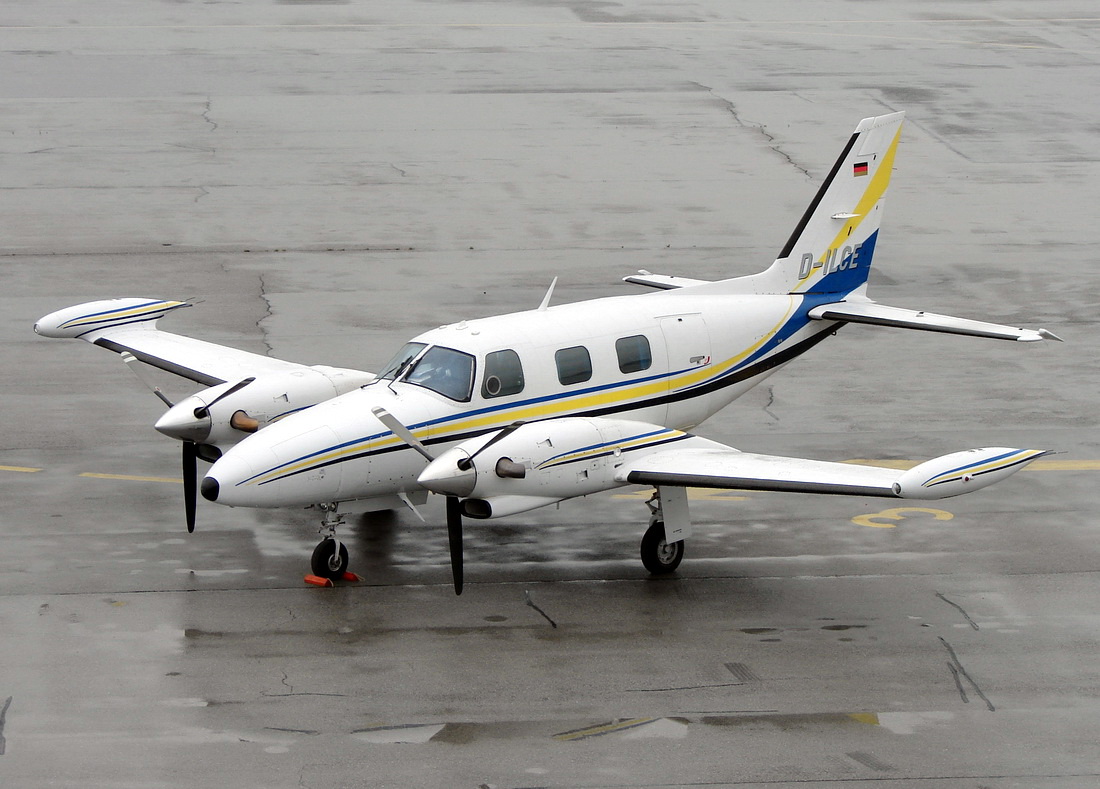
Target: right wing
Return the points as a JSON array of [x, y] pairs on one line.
[[713, 465]]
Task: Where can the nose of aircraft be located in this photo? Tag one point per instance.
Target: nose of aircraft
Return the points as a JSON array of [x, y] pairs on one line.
[[222, 482], [210, 488]]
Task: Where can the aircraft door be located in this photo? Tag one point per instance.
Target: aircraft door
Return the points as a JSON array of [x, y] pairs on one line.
[[687, 345]]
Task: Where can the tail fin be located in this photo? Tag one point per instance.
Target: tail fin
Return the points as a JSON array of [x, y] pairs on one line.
[[831, 248]]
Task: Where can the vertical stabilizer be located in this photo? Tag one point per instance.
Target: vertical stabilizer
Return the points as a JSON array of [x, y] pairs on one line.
[[831, 248]]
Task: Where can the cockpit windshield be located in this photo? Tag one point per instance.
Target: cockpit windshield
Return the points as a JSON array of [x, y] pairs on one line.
[[397, 364], [443, 370]]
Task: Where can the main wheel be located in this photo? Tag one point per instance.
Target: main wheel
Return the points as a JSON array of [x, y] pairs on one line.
[[328, 562], [658, 556]]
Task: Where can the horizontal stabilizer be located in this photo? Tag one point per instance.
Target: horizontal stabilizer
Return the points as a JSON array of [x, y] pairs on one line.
[[727, 468], [662, 281], [882, 315]]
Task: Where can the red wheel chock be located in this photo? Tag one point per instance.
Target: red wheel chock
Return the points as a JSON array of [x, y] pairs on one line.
[[316, 580]]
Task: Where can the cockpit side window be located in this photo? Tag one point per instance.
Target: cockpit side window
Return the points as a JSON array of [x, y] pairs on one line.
[[444, 370], [396, 365], [503, 374]]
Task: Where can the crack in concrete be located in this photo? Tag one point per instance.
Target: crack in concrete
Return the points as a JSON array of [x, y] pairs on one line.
[[268, 312], [770, 403], [759, 127], [206, 115], [528, 601], [3, 720], [685, 687], [957, 671], [961, 610]]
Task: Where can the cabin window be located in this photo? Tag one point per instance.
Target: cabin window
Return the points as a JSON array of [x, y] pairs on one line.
[[574, 365], [634, 354], [444, 370], [503, 374]]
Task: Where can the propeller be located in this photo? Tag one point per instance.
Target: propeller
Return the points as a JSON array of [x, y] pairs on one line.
[[454, 504], [402, 432], [190, 482], [203, 410], [134, 364], [454, 539], [190, 453], [465, 464]]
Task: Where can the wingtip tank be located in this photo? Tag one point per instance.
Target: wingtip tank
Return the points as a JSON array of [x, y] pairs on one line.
[[963, 472]]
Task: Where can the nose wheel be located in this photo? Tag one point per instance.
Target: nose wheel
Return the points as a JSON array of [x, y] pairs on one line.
[[330, 557]]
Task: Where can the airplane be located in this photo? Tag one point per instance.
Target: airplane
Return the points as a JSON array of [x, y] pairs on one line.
[[505, 414]]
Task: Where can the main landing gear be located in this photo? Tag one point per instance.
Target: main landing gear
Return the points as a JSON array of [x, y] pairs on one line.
[[660, 556], [330, 557]]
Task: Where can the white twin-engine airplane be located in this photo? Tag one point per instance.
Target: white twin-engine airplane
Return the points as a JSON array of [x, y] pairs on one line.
[[505, 414]]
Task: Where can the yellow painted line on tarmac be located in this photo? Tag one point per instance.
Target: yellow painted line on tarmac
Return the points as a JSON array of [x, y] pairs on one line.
[[131, 478], [875, 519], [602, 729], [20, 469]]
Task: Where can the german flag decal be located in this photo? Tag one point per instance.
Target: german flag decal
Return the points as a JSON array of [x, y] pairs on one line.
[[859, 168]]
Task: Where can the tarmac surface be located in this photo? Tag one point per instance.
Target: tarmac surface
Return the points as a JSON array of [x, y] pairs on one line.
[[330, 178]]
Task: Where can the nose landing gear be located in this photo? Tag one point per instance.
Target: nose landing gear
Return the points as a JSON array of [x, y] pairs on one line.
[[330, 557]]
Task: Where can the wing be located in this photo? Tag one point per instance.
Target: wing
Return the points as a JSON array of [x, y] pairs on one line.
[[129, 326], [717, 466]]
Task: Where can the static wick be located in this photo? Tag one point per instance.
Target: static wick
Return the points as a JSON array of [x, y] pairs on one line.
[[527, 599]]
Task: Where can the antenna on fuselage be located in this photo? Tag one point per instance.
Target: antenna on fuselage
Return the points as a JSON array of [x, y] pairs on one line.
[[549, 293]]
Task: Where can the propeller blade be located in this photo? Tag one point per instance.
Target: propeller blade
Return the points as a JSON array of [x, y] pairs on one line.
[[454, 537], [399, 430], [143, 375], [467, 463], [202, 411], [190, 481]]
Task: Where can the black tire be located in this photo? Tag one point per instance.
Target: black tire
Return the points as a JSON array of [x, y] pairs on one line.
[[658, 556], [327, 563]]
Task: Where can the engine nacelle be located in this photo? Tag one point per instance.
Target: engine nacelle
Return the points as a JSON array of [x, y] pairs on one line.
[[538, 463], [227, 412]]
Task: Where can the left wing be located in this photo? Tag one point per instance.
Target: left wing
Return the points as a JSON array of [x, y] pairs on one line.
[[716, 466], [130, 326]]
